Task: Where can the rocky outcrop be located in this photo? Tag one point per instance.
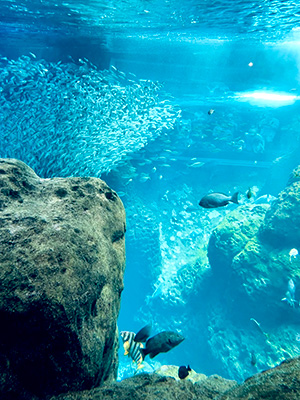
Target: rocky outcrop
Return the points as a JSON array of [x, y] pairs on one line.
[[253, 323], [280, 383], [233, 233], [62, 260], [153, 387], [281, 225]]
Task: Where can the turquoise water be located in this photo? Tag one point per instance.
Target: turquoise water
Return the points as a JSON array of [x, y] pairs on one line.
[[122, 90]]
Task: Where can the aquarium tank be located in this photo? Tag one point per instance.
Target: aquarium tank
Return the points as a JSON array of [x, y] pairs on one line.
[[170, 102]]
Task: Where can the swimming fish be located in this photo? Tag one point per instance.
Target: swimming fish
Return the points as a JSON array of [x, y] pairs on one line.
[[249, 194], [257, 325], [291, 287], [265, 199], [253, 359], [293, 254], [132, 348], [162, 343], [143, 334], [183, 371], [211, 111], [215, 200], [289, 299], [196, 164]]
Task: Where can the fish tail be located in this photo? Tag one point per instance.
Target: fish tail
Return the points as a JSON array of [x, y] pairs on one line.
[[234, 198]]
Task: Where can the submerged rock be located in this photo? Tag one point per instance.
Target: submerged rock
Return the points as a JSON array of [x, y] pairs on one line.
[[153, 387], [61, 277], [281, 225], [172, 372], [232, 235], [255, 308], [280, 383]]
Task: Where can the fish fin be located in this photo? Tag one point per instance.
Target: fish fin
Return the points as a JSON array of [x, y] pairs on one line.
[[234, 198], [189, 368], [144, 352], [154, 354], [126, 346]]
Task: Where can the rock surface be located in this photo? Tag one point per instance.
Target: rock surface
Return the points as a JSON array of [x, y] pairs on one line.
[[155, 387], [233, 233], [280, 383], [172, 372], [253, 315], [281, 225], [62, 259]]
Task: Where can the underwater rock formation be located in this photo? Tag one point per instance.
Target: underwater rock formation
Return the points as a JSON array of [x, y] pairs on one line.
[[262, 269], [280, 383], [61, 277], [154, 386], [233, 233], [281, 225], [172, 372], [253, 324]]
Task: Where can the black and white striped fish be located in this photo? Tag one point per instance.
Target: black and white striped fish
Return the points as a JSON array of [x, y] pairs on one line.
[[132, 348]]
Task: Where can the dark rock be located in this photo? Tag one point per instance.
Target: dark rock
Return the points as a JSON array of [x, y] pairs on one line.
[[62, 260], [280, 383], [154, 387]]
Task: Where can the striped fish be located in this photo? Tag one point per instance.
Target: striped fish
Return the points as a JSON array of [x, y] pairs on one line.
[[132, 348]]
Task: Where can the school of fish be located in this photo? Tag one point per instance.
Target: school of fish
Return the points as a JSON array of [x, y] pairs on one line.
[[75, 120]]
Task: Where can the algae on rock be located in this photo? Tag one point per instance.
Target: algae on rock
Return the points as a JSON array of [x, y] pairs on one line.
[[62, 263]]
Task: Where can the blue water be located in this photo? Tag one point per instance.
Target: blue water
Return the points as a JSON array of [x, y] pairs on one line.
[[121, 90]]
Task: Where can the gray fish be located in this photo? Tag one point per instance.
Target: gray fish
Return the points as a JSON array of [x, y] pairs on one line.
[[253, 359], [289, 299], [215, 200], [143, 334], [162, 343]]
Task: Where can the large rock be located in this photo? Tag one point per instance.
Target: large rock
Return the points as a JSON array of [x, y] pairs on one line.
[[154, 387], [281, 225], [280, 383], [255, 310], [233, 233], [62, 260]]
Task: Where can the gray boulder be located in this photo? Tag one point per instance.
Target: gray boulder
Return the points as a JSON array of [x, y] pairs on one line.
[[154, 387], [280, 383], [62, 258]]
